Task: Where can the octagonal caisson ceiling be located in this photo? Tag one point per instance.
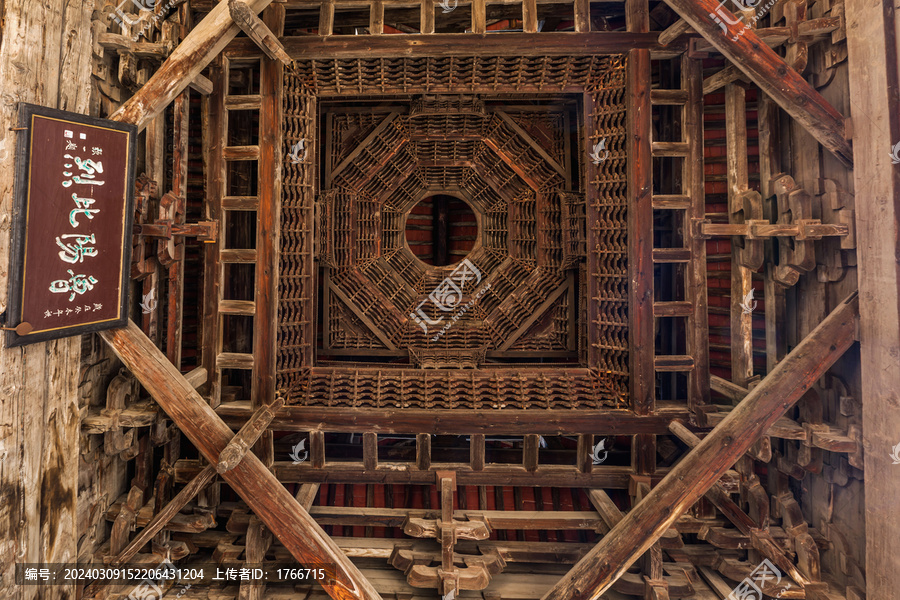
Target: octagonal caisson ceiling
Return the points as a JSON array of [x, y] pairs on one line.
[[513, 295]]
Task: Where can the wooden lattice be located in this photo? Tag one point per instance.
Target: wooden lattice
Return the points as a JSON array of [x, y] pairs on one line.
[[512, 168]]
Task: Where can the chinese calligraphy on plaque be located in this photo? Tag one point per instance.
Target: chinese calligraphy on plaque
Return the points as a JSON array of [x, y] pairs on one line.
[[75, 199]]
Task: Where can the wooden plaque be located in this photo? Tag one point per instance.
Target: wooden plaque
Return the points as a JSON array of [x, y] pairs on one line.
[[71, 236]]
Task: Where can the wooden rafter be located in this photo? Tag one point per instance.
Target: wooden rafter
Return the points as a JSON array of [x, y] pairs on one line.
[[771, 73], [699, 470], [259, 488]]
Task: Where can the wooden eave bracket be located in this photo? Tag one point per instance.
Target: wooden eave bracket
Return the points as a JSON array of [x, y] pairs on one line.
[[258, 31]]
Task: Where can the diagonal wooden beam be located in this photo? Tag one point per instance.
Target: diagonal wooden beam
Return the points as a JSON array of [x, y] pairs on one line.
[[743, 47], [722, 500], [165, 515], [258, 31], [202, 44], [255, 484], [702, 467]]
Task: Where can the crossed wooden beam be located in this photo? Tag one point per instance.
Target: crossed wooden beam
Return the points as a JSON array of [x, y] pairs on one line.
[[635, 532]]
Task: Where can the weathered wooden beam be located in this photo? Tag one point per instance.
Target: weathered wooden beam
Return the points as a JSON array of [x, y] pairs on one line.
[[197, 377], [202, 85], [702, 467], [238, 447], [479, 17], [673, 32], [770, 72], [195, 52], [529, 16], [458, 422], [462, 44], [257, 31], [259, 488], [721, 500], [872, 44], [741, 277], [640, 228], [726, 388], [694, 187], [165, 515], [376, 18]]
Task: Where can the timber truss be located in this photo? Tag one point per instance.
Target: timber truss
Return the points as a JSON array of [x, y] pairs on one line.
[[580, 154]]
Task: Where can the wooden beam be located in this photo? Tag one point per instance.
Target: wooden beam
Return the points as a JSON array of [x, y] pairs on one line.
[[458, 422], [872, 43], [259, 488], [702, 467], [165, 515], [673, 32], [255, 426], [479, 17], [326, 18], [426, 20], [769, 71], [195, 52], [529, 16], [257, 31], [741, 277], [722, 500], [463, 44], [694, 187], [640, 229], [376, 18]]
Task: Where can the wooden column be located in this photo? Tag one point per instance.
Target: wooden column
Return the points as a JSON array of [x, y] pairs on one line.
[[640, 217], [213, 148], [529, 16], [268, 232], [640, 237], [698, 323], [376, 17], [741, 277], [769, 71], [255, 484], [39, 396], [872, 42], [701, 468]]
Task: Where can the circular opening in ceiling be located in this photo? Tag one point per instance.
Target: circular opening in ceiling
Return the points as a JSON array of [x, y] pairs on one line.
[[441, 230]]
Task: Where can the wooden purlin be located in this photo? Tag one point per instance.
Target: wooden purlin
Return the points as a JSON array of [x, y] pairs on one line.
[[697, 472]]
